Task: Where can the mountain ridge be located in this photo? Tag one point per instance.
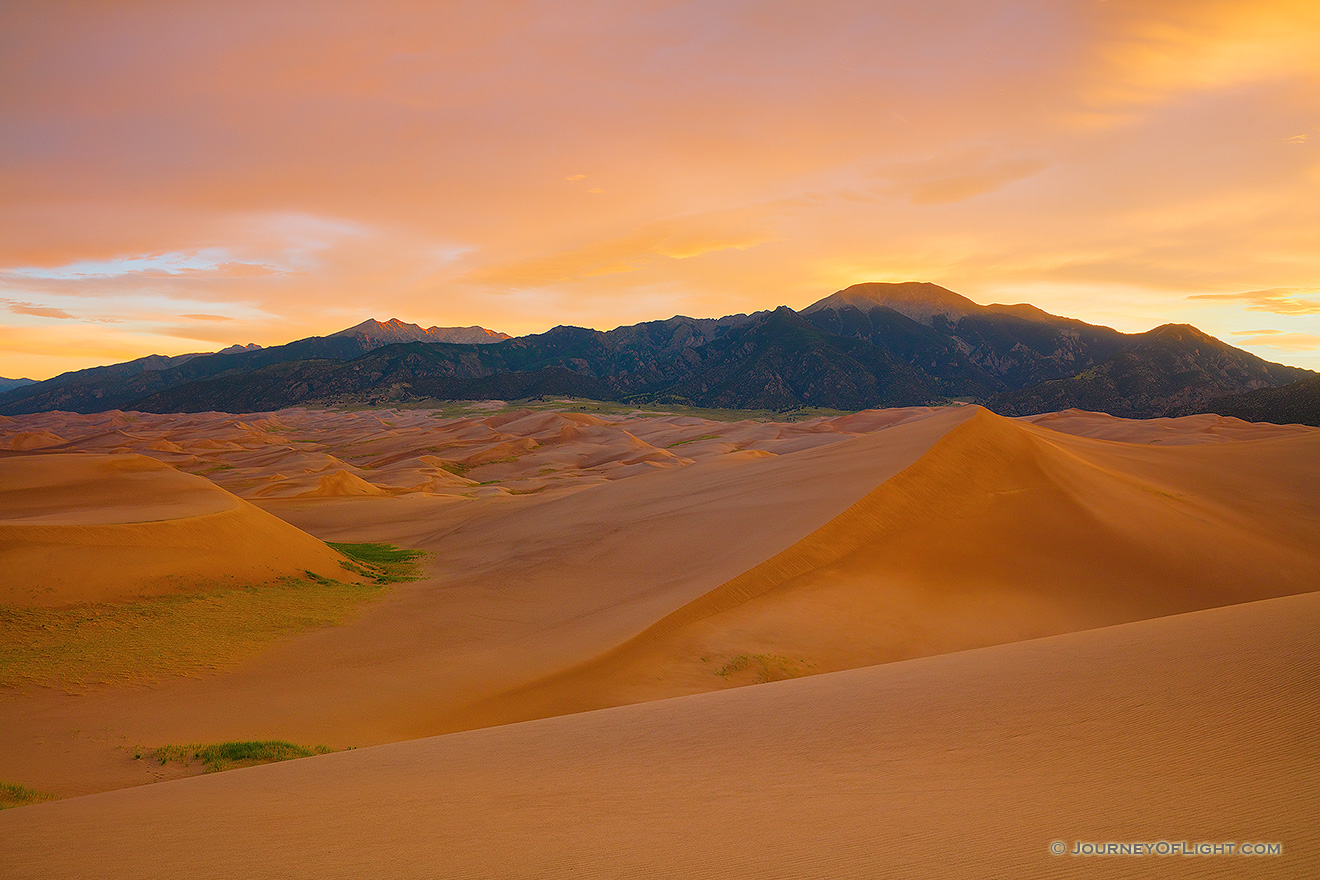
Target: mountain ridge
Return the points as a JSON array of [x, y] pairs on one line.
[[394, 330], [867, 346]]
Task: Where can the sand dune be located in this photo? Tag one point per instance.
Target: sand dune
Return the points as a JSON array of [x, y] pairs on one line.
[[520, 586], [605, 559], [99, 528], [344, 484], [283, 455], [1002, 531], [1184, 431], [1200, 727]]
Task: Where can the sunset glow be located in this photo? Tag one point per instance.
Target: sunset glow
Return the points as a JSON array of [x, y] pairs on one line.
[[184, 177]]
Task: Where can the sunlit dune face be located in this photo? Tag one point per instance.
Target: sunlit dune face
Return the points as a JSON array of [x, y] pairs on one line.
[[287, 172]]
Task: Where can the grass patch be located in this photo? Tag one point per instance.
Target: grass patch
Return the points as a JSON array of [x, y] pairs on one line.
[[762, 668], [474, 408], [692, 440], [383, 563], [215, 757], [86, 646], [14, 795]]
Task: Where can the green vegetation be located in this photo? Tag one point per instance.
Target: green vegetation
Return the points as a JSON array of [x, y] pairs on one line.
[[693, 440], [14, 795], [449, 409], [227, 755], [762, 668], [383, 563], [85, 646]]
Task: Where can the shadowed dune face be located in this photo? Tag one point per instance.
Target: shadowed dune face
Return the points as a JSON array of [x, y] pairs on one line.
[[101, 528], [1199, 727]]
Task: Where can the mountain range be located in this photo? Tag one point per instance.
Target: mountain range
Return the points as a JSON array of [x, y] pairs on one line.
[[870, 345], [9, 384]]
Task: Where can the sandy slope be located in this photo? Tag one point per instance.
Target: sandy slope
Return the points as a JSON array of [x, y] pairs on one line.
[[1199, 727], [1001, 531], [968, 530], [521, 587], [98, 528]]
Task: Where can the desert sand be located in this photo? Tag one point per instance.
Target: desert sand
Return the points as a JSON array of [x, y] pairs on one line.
[[959, 596], [101, 528], [1198, 727]]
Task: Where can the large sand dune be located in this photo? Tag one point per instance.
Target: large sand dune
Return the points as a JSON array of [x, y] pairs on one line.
[[101, 528], [1200, 727], [1001, 531]]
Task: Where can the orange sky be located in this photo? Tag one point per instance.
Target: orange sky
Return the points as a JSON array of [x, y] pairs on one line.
[[180, 177]]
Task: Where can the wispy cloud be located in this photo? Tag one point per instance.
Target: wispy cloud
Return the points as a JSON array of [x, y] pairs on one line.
[[208, 261], [1281, 340], [27, 308], [1275, 300], [676, 239]]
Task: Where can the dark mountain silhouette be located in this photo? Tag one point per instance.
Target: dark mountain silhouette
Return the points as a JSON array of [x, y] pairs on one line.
[[10, 384], [1172, 370], [1297, 403], [120, 385], [973, 350], [871, 345]]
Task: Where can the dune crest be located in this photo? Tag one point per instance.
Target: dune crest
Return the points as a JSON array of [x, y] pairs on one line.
[[342, 483]]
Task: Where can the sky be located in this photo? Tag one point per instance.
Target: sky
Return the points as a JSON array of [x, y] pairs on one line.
[[184, 176]]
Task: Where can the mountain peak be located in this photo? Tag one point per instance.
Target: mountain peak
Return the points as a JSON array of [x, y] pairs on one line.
[[396, 330], [921, 301], [918, 300]]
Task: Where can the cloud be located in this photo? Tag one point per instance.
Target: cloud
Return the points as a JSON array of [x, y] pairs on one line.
[[27, 308], [679, 239], [222, 336], [1284, 341], [207, 317], [1276, 300], [412, 160], [208, 261], [1158, 51]]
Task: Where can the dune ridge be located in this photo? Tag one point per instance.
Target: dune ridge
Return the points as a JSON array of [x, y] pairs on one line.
[[959, 466]]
